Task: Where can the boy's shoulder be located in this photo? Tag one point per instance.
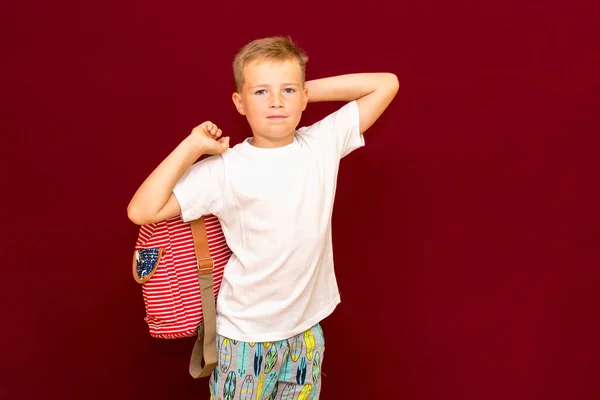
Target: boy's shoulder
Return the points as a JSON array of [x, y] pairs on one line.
[[338, 122]]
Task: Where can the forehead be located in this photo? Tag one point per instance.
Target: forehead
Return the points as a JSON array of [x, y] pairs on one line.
[[272, 72]]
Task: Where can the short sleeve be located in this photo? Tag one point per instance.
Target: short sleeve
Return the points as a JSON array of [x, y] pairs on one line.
[[339, 131], [200, 189]]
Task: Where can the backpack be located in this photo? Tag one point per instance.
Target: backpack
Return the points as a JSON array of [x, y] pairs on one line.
[[180, 267]]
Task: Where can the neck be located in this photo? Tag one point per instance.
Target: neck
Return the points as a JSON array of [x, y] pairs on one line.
[[271, 143]]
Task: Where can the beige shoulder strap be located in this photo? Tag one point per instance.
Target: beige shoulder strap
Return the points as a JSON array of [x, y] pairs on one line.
[[206, 342]]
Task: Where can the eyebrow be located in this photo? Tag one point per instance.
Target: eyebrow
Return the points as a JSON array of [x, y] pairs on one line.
[[284, 84]]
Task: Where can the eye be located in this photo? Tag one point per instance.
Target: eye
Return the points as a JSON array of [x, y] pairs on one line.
[[289, 90], [260, 92]]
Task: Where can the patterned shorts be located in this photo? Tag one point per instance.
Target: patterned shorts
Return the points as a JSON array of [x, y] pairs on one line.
[[288, 369]]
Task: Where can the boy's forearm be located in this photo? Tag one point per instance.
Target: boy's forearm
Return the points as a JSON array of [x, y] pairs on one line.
[[348, 87], [154, 193]]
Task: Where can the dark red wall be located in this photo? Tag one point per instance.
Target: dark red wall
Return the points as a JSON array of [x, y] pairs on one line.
[[466, 232]]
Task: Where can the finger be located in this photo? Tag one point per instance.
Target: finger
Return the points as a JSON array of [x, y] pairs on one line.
[[212, 133], [219, 133], [224, 141]]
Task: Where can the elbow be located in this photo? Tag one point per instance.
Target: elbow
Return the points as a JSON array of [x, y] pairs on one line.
[[394, 83], [388, 84], [135, 215]]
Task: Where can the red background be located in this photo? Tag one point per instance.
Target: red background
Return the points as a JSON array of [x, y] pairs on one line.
[[466, 232]]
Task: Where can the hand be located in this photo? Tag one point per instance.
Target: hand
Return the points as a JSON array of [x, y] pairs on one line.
[[207, 137]]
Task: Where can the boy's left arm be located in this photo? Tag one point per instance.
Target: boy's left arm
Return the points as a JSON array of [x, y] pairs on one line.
[[373, 92]]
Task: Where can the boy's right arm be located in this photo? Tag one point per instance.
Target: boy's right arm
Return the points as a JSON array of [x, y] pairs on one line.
[[154, 200]]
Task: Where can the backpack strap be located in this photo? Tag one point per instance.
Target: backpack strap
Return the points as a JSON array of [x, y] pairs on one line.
[[206, 342]]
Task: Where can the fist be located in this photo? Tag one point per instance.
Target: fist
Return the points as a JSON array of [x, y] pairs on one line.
[[208, 137]]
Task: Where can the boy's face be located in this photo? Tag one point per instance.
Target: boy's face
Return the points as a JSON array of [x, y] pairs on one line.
[[272, 99]]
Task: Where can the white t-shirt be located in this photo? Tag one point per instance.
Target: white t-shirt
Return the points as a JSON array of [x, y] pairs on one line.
[[275, 207]]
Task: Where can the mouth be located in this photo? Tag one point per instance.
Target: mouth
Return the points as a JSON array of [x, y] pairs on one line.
[[276, 117]]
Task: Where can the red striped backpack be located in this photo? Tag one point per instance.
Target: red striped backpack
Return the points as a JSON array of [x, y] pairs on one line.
[[180, 267]]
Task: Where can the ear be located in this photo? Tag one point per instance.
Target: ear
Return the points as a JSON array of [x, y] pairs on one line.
[[304, 98], [239, 103]]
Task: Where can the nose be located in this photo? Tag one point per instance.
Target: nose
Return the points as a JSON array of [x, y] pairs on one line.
[[276, 101]]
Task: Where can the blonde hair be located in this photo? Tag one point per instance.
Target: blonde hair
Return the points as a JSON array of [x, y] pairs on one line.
[[275, 48]]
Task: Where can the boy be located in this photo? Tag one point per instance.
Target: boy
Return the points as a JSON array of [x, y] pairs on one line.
[[273, 194]]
